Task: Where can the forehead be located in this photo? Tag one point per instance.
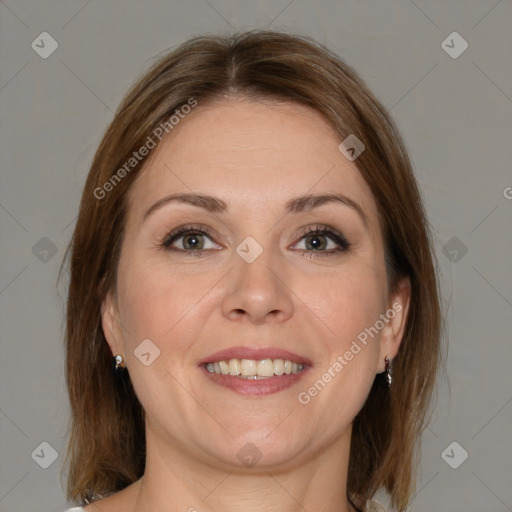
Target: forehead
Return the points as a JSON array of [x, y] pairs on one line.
[[253, 155]]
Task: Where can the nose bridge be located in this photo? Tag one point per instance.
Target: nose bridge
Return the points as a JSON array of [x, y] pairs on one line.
[[255, 287]]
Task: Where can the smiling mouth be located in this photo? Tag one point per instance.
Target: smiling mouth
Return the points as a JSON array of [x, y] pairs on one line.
[[253, 369]]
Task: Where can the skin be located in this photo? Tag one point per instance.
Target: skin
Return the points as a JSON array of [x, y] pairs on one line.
[[255, 156]]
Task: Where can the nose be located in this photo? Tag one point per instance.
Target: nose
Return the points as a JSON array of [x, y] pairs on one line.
[[257, 292]]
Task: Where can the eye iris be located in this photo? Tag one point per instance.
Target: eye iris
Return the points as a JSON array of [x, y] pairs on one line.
[[315, 242], [193, 241]]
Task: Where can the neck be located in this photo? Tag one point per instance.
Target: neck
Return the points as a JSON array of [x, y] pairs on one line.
[[174, 481]]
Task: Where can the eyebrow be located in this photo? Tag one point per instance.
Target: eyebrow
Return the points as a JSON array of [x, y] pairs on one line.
[[296, 205]]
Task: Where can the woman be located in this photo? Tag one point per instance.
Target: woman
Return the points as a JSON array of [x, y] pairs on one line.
[[253, 313]]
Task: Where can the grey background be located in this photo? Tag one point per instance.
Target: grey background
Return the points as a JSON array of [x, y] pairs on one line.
[[455, 115]]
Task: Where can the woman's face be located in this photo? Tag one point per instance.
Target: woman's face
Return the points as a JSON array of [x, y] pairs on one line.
[[244, 278]]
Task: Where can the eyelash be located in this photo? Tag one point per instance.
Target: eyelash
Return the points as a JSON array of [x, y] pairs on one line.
[[318, 230]]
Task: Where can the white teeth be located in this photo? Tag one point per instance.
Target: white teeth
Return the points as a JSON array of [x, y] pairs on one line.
[[252, 369], [224, 367], [278, 367], [234, 367], [266, 368], [249, 367]]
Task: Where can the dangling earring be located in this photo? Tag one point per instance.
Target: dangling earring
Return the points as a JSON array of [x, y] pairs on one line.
[[388, 370], [119, 373], [118, 359]]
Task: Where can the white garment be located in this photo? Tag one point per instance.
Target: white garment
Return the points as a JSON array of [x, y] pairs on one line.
[[372, 506]]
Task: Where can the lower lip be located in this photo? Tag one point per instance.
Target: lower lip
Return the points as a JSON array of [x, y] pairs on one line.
[[256, 387]]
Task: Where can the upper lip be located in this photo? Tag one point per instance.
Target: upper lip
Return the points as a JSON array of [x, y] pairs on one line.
[[255, 353]]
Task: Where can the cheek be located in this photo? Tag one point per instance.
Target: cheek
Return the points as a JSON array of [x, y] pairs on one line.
[[159, 304], [347, 302], [154, 299]]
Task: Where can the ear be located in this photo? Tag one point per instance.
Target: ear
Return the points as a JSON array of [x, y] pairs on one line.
[[110, 324], [394, 327]]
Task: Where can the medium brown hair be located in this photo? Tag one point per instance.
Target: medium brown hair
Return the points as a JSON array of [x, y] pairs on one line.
[[107, 438]]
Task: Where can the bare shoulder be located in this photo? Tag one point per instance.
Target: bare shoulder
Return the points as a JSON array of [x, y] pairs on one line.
[[122, 500], [110, 504]]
